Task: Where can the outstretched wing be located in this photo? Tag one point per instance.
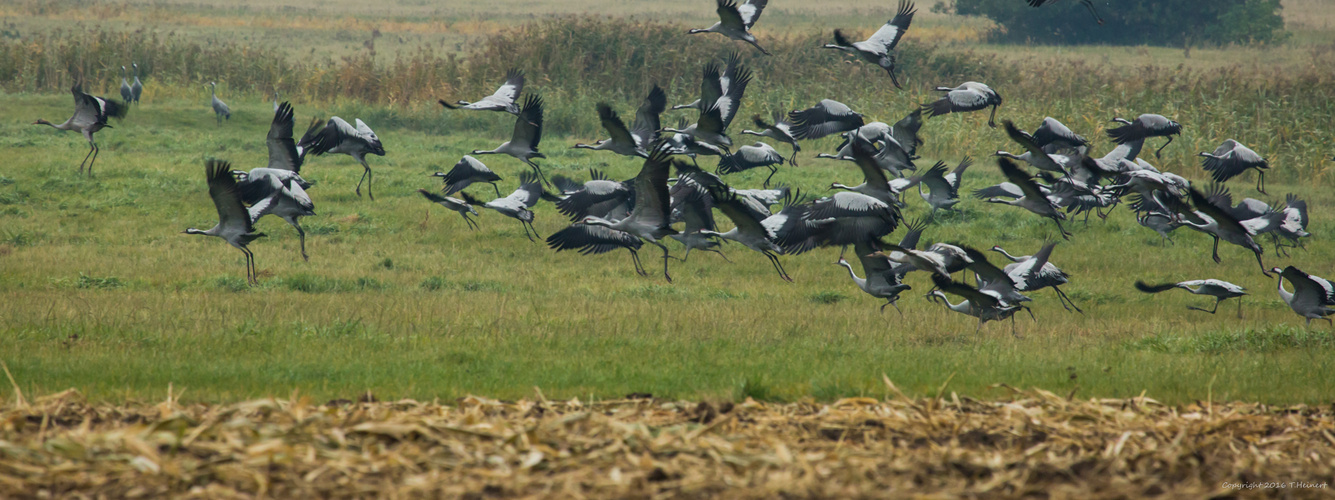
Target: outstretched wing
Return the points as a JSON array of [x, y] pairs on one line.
[[890, 33]]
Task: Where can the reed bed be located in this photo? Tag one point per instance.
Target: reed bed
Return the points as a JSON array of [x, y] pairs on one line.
[[1024, 444]]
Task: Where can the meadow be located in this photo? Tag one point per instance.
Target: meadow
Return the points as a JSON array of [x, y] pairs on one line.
[[100, 292]]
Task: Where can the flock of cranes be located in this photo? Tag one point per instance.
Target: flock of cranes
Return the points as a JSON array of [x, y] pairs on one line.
[[608, 215]]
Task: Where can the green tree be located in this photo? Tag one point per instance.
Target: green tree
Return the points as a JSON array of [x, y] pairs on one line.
[[1133, 22]]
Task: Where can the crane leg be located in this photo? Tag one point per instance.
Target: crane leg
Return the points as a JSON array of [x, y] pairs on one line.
[[1239, 307], [366, 176], [498, 190], [96, 150], [1065, 235], [892, 303], [542, 176], [1157, 151], [1217, 300], [778, 266], [301, 233], [91, 148], [1260, 181], [635, 259], [1216, 251], [472, 226], [526, 234], [666, 256], [792, 160], [772, 170], [1062, 295], [531, 228], [992, 120], [1089, 4], [893, 78], [1262, 264], [720, 254]]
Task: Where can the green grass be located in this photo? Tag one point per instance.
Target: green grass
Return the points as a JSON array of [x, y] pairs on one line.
[[101, 292]]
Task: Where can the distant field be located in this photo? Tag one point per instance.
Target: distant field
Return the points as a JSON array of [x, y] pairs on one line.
[[340, 27]]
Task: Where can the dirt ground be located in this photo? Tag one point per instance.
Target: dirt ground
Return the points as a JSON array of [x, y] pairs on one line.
[[1031, 444]]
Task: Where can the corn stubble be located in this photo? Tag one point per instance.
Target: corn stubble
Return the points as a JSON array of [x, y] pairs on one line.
[[1027, 443]]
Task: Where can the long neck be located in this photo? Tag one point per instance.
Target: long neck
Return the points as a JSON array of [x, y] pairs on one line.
[[62, 126], [1284, 294], [862, 283], [1009, 256], [213, 91]]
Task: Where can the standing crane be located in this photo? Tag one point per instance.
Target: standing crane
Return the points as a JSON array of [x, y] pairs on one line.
[[504, 99], [1218, 289], [90, 115], [339, 137], [1312, 297], [880, 48], [136, 88], [220, 109], [969, 96], [735, 21], [234, 222], [127, 95], [648, 221]]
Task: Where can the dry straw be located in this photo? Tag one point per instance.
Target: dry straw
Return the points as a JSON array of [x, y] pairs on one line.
[[1025, 444]]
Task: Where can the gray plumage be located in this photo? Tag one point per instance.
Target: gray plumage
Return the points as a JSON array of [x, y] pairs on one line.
[[90, 115], [234, 222], [220, 109]]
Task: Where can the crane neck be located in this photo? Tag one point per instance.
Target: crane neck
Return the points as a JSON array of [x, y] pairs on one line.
[[1009, 256], [1284, 294], [861, 282]]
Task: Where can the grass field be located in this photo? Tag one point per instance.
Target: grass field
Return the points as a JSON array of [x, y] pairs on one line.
[[99, 291]]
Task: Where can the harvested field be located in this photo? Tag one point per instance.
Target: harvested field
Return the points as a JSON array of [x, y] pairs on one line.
[[1024, 444]]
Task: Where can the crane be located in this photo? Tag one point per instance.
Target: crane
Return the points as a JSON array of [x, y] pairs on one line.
[[735, 21], [632, 141], [749, 157], [750, 228], [463, 207], [127, 95], [90, 115], [880, 48], [780, 130], [504, 99], [1036, 272], [1218, 289], [1033, 200], [982, 305], [1231, 159], [1145, 126], [1312, 297], [466, 172], [234, 222], [220, 109], [339, 137], [825, 118], [648, 221], [278, 188], [969, 96], [523, 143], [517, 205], [136, 88]]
